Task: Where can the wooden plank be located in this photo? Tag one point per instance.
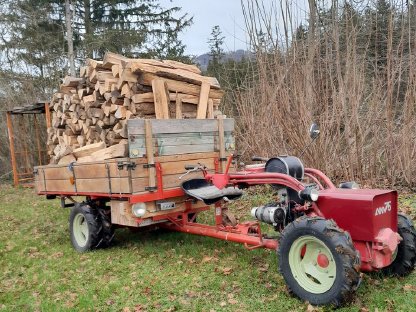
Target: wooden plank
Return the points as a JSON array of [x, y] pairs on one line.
[[172, 143], [178, 108], [185, 149], [121, 213], [179, 86], [57, 173], [40, 180], [150, 153], [191, 68], [178, 167], [173, 73], [88, 149], [176, 158], [90, 171], [210, 109], [59, 186], [203, 101], [221, 141], [161, 99], [103, 169], [136, 126]]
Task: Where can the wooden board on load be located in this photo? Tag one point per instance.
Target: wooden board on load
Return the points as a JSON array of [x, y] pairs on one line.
[[170, 137]]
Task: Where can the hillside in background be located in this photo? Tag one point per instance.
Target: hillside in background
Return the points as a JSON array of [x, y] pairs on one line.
[[203, 60]]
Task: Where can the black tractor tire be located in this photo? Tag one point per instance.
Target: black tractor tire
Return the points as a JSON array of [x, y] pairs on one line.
[[405, 260], [107, 228], [304, 272], [86, 228]]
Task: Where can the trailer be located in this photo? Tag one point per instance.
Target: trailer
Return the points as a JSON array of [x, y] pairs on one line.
[[179, 168]]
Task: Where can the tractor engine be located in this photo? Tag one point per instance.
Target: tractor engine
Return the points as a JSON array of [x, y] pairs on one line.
[[279, 213], [272, 213], [276, 213]]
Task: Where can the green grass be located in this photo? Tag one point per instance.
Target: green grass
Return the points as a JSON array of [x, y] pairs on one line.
[[153, 271]]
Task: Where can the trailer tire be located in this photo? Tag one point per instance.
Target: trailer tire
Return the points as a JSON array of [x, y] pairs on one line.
[[405, 260], [318, 261], [85, 228]]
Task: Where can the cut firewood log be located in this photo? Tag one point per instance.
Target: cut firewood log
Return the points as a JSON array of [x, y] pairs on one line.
[[179, 86], [120, 113], [118, 150], [111, 59], [72, 81], [161, 99], [143, 97], [88, 149], [203, 101], [176, 74], [115, 69], [95, 107], [67, 159]]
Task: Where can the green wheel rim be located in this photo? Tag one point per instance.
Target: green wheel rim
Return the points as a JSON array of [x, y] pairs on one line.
[[312, 264], [80, 230]]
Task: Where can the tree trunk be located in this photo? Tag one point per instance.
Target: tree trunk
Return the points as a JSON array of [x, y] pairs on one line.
[[88, 28], [69, 37]]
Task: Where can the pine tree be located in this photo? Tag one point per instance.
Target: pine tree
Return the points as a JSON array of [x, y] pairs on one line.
[[33, 43], [216, 54]]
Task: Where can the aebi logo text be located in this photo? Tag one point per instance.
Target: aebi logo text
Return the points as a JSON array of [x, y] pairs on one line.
[[384, 209]]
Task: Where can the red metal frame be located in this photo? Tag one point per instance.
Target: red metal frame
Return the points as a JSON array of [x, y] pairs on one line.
[[376, 251]]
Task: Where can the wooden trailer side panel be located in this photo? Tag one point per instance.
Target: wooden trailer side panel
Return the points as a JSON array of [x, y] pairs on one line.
[[110, 177], [172, 144]]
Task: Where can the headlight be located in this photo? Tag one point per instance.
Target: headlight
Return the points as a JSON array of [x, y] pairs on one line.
[[309, 194], [139, 209]]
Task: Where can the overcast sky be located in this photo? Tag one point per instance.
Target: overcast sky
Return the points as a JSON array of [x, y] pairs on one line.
[[208, 13], [225, 13]]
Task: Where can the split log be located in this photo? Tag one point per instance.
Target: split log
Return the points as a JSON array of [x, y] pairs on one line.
[[88, 149]]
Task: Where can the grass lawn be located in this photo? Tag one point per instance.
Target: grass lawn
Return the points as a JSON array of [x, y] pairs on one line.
[[154, 271]]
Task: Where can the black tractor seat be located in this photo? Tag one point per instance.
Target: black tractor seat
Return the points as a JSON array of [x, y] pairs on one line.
[[203, 190]]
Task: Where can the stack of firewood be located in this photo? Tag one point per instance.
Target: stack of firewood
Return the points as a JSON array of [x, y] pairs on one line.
[[90, 113]]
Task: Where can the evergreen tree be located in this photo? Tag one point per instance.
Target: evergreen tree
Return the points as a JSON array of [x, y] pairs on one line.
[[33, 46], [215, 43]]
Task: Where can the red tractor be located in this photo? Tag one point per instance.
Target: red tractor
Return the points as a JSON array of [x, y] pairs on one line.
[[327, 234]]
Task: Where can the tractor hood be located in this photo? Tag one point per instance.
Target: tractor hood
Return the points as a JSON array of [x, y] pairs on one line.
[[362, 212]]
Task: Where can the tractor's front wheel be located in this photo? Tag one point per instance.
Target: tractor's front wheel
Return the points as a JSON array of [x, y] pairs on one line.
[[405, 258], [318, 261]]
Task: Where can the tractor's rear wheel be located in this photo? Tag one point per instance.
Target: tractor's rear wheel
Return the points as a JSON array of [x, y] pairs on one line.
[[318, 261], [88, 229], [405, 259]]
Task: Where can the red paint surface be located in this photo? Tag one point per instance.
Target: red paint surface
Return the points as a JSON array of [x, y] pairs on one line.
[[354, 211], [322, 260]]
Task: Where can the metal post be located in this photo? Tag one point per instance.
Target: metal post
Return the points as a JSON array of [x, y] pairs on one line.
[[12, 152]]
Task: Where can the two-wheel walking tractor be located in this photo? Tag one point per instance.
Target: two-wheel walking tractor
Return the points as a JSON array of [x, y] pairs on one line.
[[176, 169]]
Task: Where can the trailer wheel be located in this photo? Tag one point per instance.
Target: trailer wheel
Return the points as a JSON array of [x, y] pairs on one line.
[[318, 261], [85, 228], [405, 258]]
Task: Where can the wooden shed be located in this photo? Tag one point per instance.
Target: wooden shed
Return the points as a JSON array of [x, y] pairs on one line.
[[26, 126]]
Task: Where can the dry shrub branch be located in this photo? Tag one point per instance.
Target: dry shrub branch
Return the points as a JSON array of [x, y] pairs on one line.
[[353, 72]]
